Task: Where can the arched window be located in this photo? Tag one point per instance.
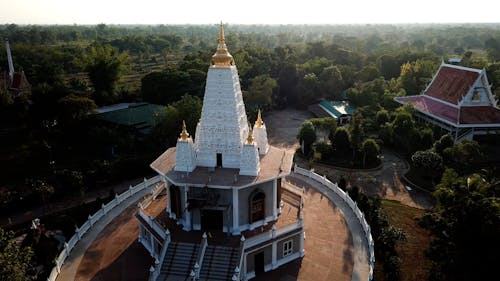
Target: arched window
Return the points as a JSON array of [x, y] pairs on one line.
[[257, 206]]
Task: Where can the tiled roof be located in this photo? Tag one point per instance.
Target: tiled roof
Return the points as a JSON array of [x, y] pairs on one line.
[[479, 115], [452, 83], [468, 114], [276, 163], [428, 105]]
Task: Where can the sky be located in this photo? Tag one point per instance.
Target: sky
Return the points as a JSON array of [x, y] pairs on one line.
[[247, 12]]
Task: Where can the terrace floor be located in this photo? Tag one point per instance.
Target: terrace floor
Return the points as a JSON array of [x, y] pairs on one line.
[[116, 255]]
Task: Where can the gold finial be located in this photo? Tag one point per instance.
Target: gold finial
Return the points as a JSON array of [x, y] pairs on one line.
[[259, 121], [222, 57], [184, 133], [250, 137]]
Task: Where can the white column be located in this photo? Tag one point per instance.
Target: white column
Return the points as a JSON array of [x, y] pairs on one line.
[[236, 227], [169, 201], [187, 214], [275, 198], [274, 254]]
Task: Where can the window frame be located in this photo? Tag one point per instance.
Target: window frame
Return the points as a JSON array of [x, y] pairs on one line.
[[287, 248]]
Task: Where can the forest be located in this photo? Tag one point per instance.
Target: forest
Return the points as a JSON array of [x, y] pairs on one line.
[[51, 148]]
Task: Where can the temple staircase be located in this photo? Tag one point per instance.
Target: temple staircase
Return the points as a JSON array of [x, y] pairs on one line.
[[179, 260], [219, 263]]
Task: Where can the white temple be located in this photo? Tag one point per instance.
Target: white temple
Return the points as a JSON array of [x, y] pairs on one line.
[[227, 182], [223, 138]]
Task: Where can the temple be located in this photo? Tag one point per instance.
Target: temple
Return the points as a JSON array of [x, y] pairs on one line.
[[224, 217], [14, 82], [459, 100]]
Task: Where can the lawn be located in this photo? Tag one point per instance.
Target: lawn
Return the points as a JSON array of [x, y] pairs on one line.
[[414, 263]]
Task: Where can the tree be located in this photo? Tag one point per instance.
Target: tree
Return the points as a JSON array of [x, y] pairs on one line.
[[356, 132], [166, 87], [15, 261], [104, 65], [465, 225], [261, 91], [382, 117], [428, 161], [370, 149], [73, 107], [307, 136], [444, 142], [341, 142], [463, 152]]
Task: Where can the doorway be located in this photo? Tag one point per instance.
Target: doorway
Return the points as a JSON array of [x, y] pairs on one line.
[[219, 159], [259, 262], [211, 220]]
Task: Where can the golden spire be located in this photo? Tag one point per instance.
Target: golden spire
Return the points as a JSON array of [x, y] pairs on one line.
[[259, 121], [250, 137], [184, 133], [222, 57]]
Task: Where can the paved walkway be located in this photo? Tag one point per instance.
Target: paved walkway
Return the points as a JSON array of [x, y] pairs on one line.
[[69, 269], [361, 268]]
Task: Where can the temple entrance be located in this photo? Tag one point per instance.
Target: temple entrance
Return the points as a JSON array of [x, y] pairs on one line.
[[175, 201], [257, 209], [219, 159], [211, 220], [259, 262]]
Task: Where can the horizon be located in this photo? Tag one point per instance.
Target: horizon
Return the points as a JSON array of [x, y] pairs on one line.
[[259, 12]]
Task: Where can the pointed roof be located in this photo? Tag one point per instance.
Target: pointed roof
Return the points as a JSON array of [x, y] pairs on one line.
[[222, 57], [452, 83], [259, 121], [184, 134]]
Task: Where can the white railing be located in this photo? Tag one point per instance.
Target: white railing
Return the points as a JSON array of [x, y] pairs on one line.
[[354, 207], [93, 219], [274, 232], [154, 272]]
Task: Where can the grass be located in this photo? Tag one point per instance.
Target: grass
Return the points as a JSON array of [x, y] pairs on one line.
[[414, 263]]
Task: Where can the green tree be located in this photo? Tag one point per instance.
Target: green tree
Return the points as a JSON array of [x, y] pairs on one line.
[[444, 142], [104, 65], [15, 261], [465, 225], [429, 162], [261, 91], [72, 107], [357, 133], [371, 150], [307, 136], [382, 117], [341, 142]]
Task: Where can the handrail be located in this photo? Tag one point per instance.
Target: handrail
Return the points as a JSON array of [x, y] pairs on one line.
[[93, 219], [352, 204], [156, 270]]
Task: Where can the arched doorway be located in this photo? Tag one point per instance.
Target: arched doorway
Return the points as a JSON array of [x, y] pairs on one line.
[[257, 206]]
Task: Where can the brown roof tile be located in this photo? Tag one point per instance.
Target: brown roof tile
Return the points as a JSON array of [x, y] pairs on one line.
[[451, 84]]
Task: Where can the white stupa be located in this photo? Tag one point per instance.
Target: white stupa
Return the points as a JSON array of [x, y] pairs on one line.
[[221, 133]]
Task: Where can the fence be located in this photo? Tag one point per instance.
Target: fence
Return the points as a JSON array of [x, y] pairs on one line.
[[93, 219], [361, 218]]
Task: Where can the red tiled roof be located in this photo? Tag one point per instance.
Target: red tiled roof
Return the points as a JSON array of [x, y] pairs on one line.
[[433, 107], [479, 115], [451, 84], [468, 114]]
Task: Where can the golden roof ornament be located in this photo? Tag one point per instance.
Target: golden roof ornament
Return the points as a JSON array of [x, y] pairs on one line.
[[250, 137], [184, 133], [259, 121], [222, 57]]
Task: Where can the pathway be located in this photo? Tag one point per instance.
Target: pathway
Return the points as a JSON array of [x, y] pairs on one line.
[[68, 270]]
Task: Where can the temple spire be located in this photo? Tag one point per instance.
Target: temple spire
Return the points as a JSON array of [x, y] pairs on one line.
[[222, 57], [250, 135], [184, 133], [259, 121]]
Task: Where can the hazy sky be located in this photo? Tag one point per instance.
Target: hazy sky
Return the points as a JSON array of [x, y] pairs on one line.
[[246, 12]]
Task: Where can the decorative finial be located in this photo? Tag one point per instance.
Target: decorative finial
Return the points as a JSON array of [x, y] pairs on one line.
[[250, 137], [184, 133], [259, 121], [222, 57]]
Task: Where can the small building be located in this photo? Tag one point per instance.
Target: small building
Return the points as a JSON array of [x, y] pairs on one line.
[[340, 110], [225, 186], [138, 116], [459, 100]]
